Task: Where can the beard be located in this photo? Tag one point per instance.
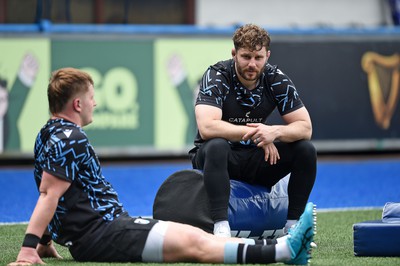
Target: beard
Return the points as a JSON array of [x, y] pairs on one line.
[[249, 74]]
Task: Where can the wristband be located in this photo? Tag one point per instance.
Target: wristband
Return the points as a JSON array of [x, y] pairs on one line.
[[45, 240], [30, 241]]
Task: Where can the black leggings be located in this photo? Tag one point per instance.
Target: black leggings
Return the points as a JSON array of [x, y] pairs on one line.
[[220, 162]]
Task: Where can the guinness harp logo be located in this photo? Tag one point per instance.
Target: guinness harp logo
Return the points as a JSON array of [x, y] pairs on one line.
[[384, 85]]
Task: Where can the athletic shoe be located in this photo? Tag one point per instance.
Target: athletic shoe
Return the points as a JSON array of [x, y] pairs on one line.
[[301, 235], [222, 231]]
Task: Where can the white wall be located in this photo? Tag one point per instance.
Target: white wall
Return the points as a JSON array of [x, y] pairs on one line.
[[293, 13]]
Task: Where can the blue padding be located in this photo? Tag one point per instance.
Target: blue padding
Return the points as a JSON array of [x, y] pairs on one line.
[[256, 209], [253, 211], [376, 238]]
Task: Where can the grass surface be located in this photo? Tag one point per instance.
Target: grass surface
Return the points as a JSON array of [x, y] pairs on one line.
[[334, 240]]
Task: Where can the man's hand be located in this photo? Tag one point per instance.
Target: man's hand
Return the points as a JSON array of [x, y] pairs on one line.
[[261, 134], [48, 251], [264, 136], [27, 256], [271, 153]]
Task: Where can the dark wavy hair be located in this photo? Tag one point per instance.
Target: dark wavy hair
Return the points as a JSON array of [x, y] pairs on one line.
[[251, 37]]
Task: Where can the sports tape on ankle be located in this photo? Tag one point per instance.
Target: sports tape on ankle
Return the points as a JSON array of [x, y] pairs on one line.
[[230, 252]]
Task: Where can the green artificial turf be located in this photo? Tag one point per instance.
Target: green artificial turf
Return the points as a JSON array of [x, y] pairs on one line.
[[334, 239]]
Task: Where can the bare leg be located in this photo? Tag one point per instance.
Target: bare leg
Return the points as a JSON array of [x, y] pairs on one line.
[[187, 243]]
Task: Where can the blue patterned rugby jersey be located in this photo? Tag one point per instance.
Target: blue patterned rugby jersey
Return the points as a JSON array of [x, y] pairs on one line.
[[63, 150], [220, 87]]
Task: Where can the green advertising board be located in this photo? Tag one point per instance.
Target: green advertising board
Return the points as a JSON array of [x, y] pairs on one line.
[[179, 66], [123, 75], [144, 89], [24, 73]]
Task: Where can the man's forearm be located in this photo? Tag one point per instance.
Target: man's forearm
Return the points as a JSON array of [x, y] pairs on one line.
[[42, 215], [295, 131], [223, 129]]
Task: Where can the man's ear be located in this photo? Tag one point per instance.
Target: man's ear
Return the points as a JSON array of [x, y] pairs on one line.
[[233, 52], [77, 104]]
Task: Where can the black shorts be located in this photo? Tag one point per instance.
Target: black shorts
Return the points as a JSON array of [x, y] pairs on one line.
[[122, 240]]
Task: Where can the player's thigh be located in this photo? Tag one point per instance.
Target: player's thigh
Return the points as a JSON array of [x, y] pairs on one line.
[[186, 243]]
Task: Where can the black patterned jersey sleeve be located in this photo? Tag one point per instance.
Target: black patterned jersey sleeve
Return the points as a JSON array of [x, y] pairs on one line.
[[284, 91], [213, 87], [66, 153]]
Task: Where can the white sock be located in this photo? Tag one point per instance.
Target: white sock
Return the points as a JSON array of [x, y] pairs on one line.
[[222, 224], [282, 251], [282, 239], [289, 223]]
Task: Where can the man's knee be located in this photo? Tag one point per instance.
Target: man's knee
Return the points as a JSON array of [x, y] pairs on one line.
[[213, 149], [217, 143], [306, 148], [216, 147], [190, 245]]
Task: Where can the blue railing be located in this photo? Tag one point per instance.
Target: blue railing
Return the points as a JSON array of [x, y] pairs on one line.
[[46, 27]]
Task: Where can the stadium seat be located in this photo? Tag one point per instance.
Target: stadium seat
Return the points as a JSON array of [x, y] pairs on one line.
[[254, 211]]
